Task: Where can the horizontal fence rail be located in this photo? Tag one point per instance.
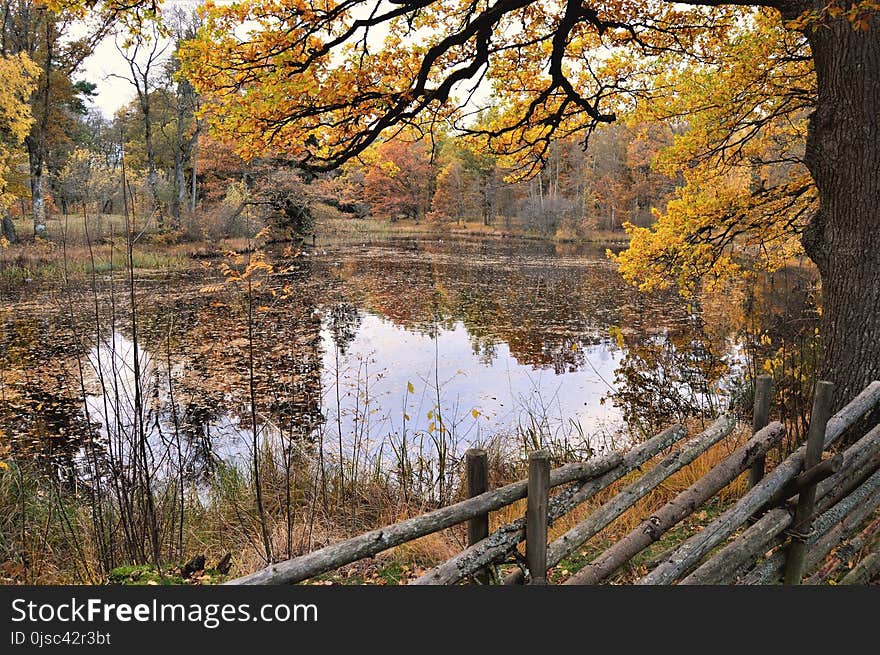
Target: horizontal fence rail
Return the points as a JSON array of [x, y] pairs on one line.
[[505, 539]]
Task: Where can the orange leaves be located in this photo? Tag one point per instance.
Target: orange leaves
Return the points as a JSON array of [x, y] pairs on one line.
[[276, 87], [248, 271], [397, 176], [308, 80]]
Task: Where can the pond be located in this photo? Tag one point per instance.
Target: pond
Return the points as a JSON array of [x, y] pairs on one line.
[[403, 348]]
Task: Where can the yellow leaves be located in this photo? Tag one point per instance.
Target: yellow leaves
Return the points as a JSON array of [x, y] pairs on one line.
[[246, 273], [475, 413], [211, 288], [617, 334], [410, 388], [256, 265], [743, 189], [4, 452], [17, 80], [18, 75], [273, 89], [389, 168]]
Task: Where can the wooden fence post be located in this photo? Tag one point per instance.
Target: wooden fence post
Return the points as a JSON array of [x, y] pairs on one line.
[[803, 518], [477, 465], [536, 516], [760, 418]]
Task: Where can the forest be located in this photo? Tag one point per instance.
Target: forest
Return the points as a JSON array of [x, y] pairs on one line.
[[271, 269]]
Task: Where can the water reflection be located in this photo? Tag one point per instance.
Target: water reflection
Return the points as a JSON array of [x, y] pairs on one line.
[[445, 343], [399, 372]]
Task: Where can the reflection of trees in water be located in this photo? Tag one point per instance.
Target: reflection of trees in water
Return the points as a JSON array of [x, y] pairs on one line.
[[546, 312], [195, 428], [46, 425], [667, 377], [41, 409], [539, 309], [202, 337], [343, 321], [751, 326], [779, 336], [287, 362]]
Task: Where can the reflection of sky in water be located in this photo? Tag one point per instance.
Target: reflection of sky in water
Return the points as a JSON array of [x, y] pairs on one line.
[[374, 377], [110, 366], [503, 391]]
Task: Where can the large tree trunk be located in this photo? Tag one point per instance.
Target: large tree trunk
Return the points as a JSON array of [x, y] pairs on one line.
[[181, 146], [195, 168], [843, 239], [179, 196]]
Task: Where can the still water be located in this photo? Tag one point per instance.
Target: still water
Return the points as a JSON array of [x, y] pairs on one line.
[[433, 345]]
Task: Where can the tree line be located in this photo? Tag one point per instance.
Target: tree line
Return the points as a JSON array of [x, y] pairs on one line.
[[449, 180]]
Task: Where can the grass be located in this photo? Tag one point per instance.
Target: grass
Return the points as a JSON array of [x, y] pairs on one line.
[[405, 562], [147, 574], [28, 263], [224, 521]]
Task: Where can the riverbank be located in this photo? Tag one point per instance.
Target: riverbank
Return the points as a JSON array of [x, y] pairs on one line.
[[221, 533], [332, 226]]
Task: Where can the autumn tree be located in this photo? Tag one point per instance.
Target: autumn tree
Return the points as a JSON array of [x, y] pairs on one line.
[[187, 125], [144, 51], [45, 34], [87, 178], [466, 184], [648, 185], [481, 176], [450, 197], [398, 178], [306, 83], [220, 167], [17, 80], [283, 194]]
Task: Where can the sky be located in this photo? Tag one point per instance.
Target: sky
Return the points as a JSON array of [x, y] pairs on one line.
[[100, 68], [106, 67]]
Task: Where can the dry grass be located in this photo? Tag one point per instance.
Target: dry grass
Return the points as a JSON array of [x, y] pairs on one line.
[[333, 226], [36, 262], [412, 559], [228, 524]]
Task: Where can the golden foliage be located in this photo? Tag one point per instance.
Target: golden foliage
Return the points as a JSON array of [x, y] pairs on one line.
[[18, 76], [746, 193]]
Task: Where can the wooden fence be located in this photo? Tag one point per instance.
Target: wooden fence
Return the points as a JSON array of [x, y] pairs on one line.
[[789, 521]]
